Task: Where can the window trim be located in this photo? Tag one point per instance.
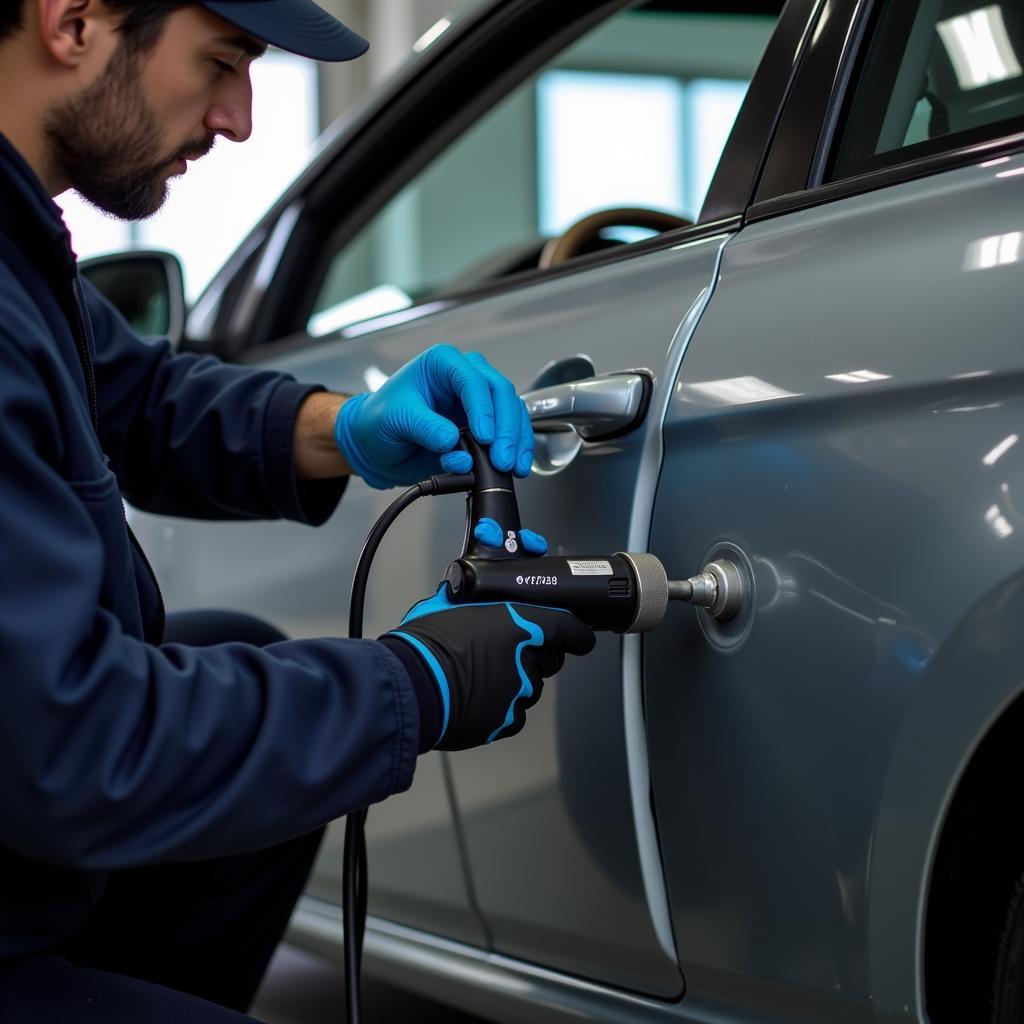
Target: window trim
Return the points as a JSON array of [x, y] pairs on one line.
[[858, 37], [801, 150], [897, 174], [750, 143], [829, 54]]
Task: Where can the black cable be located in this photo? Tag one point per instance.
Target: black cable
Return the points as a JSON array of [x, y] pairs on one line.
[[355, 887], [352, 883]]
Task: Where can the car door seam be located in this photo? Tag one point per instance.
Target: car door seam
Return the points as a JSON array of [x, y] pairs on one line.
[[641, 516]]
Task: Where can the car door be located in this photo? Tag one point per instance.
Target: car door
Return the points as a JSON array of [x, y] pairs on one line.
[[845, 428], [543, 847]]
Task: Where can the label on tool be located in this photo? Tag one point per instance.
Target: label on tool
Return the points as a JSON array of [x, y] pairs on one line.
[[589, 567]]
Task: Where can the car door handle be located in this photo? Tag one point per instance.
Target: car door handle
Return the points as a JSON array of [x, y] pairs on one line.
[[597, 408]]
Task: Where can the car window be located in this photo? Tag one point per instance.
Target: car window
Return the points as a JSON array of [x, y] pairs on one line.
[[634, 114], [938, 74]]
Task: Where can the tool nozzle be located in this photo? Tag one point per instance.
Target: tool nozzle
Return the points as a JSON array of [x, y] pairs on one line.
[[720, 589], [700, 590]]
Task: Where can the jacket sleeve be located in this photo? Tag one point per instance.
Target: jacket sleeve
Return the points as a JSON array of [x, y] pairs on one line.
[[189, 435], [117, 753]]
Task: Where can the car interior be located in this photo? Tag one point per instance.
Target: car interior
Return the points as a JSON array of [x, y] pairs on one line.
[[943, 68]]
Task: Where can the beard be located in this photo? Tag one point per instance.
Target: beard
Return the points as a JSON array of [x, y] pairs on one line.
[[108, 143]]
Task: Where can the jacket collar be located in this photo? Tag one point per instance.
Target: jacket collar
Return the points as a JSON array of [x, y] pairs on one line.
[[28, 215]]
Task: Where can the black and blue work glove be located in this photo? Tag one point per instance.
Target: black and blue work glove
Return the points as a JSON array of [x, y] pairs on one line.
[[485, 661], [393, 436]]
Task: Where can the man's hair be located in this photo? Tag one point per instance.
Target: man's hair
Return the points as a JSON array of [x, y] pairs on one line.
[[141, 26]]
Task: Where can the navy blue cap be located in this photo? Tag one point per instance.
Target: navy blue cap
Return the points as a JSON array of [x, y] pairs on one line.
[[299, 26]]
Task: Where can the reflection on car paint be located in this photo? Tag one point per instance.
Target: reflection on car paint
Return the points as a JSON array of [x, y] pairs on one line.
[[994, 251]]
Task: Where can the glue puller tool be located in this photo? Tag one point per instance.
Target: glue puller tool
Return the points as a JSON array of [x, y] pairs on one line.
[[625, 592]]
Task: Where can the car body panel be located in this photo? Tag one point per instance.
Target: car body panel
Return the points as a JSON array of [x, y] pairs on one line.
[[546, 818], [842, 434]]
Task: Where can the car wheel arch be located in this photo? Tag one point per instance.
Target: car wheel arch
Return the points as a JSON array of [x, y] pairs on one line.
[[970, 691]]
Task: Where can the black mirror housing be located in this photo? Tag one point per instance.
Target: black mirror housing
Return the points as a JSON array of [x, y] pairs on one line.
[[147, 288]]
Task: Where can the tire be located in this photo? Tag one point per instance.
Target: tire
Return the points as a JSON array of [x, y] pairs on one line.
[[1008, 986]]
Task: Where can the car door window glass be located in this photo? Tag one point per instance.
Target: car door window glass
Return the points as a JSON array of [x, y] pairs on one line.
[[634, 114], [938, 74]]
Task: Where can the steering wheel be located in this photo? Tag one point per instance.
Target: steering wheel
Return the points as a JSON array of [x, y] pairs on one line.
[[587, 229]]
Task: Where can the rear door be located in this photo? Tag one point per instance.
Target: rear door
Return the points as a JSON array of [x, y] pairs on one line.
[[846, 426], [542, 847]]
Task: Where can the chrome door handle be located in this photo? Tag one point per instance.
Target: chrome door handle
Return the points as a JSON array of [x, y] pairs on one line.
[[597, 408]]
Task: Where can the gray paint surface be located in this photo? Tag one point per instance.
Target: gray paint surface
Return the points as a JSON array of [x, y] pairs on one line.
[[847, 415]]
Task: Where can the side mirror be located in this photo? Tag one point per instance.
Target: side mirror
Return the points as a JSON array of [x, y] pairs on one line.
[[148, 289]]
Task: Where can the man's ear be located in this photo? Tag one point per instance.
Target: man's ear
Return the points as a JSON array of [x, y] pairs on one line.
[[68, 28]]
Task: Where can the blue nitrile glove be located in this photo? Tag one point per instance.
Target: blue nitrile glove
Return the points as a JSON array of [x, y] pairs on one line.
[[487, 662], [394, 436]]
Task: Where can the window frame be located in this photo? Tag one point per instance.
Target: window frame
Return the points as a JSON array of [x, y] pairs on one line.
[[804, 146], [344, 168]]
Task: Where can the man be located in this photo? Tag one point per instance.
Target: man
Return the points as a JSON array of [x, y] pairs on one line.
[[163, 786]]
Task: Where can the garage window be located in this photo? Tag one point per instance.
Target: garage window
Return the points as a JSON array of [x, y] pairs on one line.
[[939, 74]]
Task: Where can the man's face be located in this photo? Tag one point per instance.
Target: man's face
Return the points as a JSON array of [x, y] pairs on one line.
[[121, 138]]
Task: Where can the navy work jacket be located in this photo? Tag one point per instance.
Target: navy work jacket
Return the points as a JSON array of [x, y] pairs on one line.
[[117, 751]]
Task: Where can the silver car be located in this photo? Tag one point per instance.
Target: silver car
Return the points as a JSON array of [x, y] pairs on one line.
[[806, 222]]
